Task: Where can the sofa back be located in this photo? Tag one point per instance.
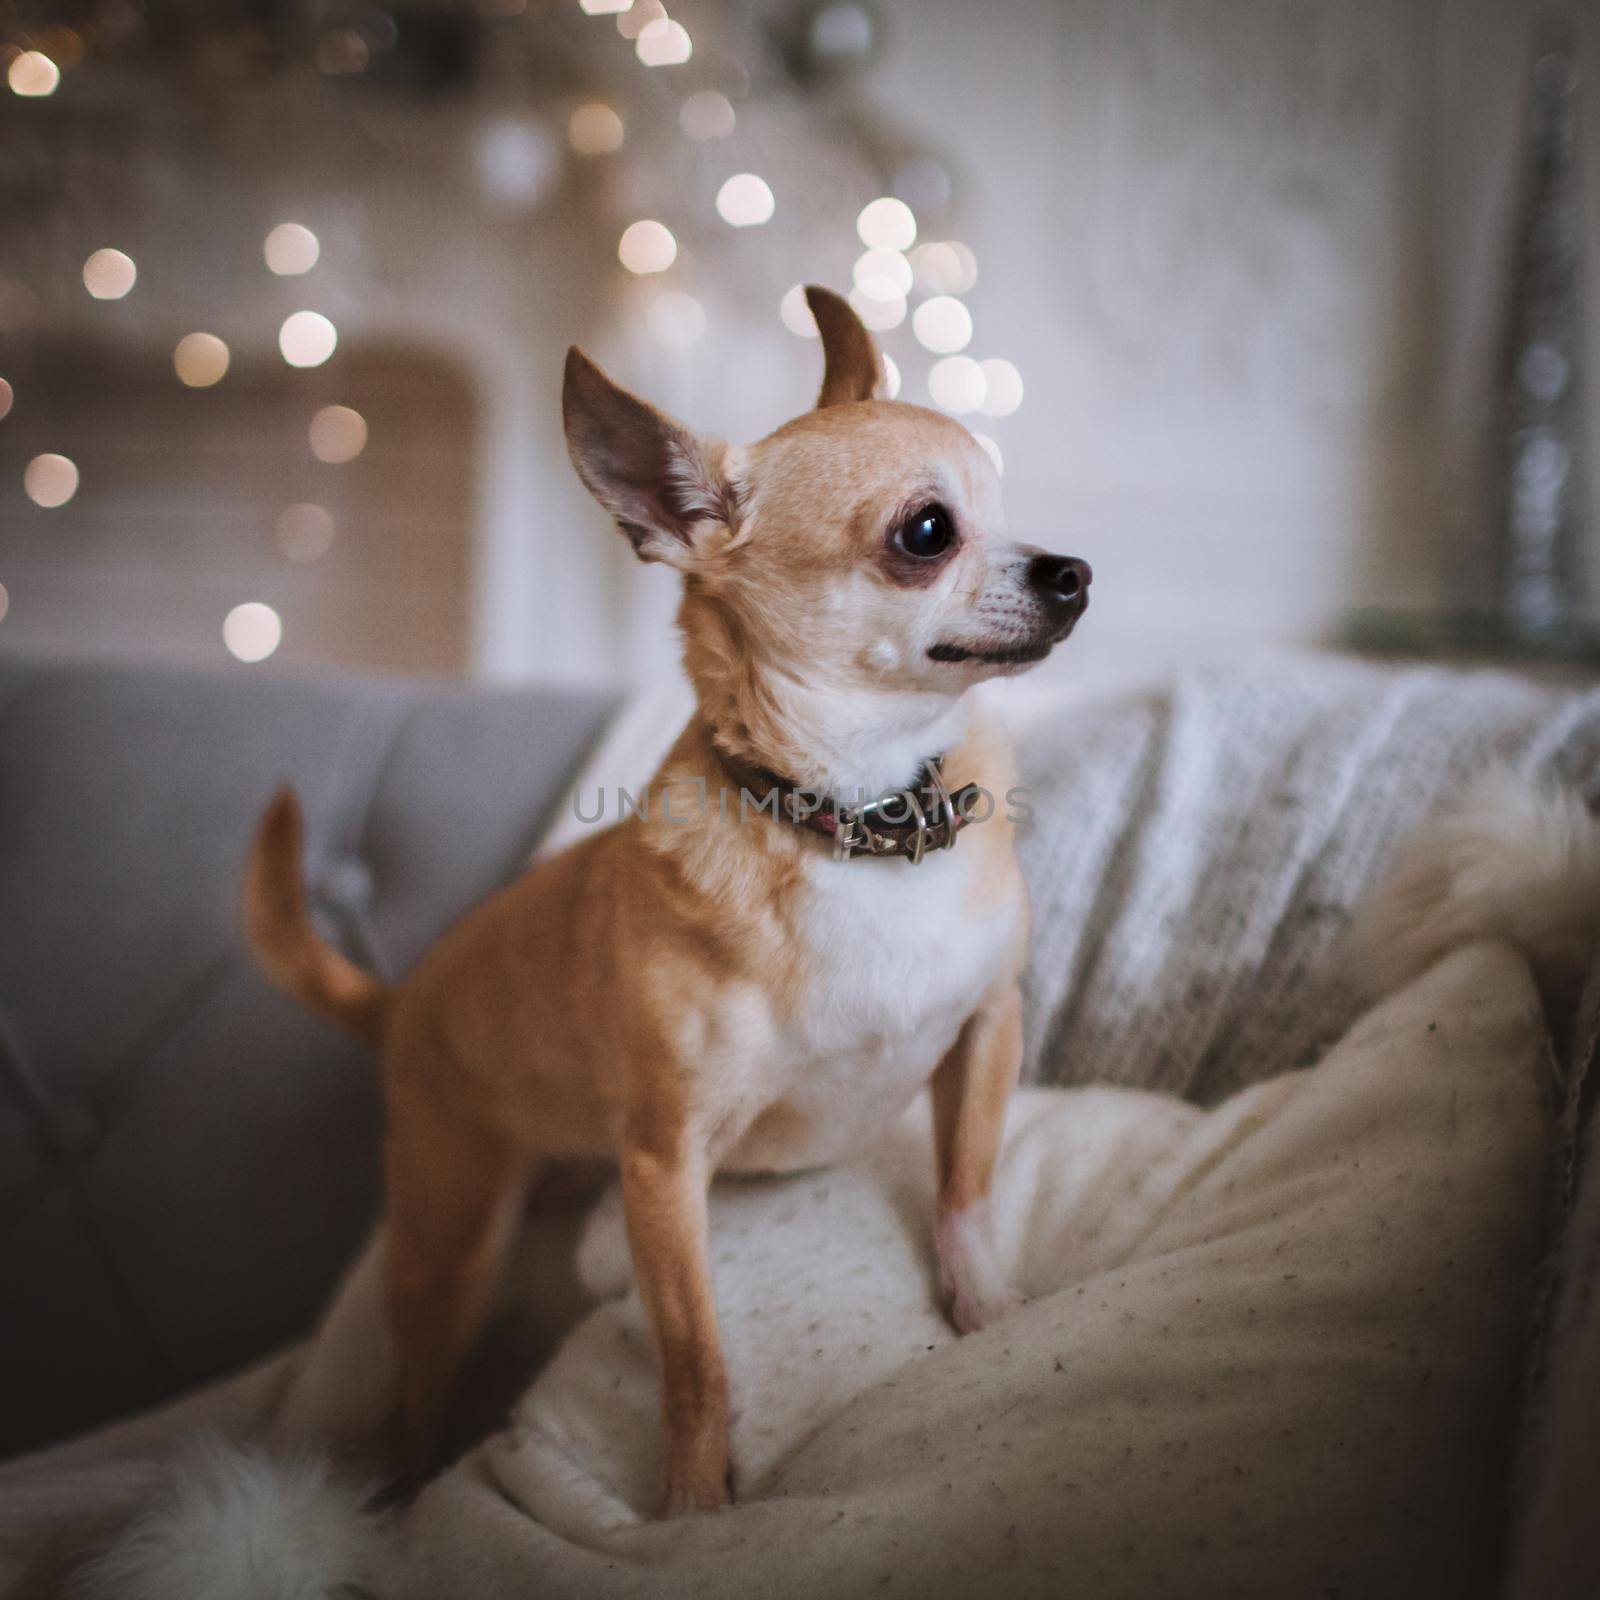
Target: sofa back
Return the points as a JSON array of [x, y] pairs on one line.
[[187, 1159]]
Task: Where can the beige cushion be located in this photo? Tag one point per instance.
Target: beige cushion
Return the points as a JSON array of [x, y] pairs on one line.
[[1557, 1540], [1269, 1350]]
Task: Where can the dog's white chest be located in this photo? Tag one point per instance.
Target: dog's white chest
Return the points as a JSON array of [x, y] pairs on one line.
[[892, 960]]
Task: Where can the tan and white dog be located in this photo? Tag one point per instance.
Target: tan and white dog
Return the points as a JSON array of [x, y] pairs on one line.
[[721, 986]]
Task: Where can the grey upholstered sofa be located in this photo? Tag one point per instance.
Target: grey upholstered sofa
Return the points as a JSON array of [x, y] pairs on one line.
[[187, 1160]]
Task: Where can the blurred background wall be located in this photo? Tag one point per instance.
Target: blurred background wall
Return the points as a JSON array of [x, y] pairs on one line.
[[1248, 265]]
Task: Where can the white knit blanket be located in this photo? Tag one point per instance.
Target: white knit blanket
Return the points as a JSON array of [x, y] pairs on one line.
[[1197, 852]]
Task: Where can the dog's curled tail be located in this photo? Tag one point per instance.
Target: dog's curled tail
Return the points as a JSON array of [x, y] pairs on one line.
[[1511, 859], [289, 949]]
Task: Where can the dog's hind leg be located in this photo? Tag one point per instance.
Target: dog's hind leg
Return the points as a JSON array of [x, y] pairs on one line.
[[454, 1200]]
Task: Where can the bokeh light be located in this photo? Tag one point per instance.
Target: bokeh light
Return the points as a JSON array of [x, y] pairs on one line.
[[5, 602], [200, 360], [745, 201], [956, 384], [796, 314], [879, 315], [887, 224], [707, 115], [109, 274], [992, 450], [307, 339], [891, 378], [517, 160], [664, 43], [883, 275], [942, 325], [304, 532], [50, 480], [338, 434], [252, 631], [647, 246], [595, 129], [945, 267], [1002, 387], [634, 19], [33, 74], [842, 32], [291, 249], [603, 8], [6, 397], [676, 320]]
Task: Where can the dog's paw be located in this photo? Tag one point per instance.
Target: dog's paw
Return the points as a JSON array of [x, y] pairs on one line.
[[970, 1312], [688, 1493], [974, 1285]]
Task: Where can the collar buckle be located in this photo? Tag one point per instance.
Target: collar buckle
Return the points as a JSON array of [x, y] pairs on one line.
[[919, 844], [948, 817], [849, 836]]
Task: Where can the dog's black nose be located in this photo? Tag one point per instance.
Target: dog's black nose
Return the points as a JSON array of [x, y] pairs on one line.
[[1062, 582]]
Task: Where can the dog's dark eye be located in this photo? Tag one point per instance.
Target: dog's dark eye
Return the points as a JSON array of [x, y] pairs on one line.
[[926, 533]]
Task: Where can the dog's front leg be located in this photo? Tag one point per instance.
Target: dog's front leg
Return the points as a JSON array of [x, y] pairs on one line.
[[664, 1193], [970, 1091]]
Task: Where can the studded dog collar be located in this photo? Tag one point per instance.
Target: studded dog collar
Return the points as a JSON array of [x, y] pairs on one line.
[[900, 822]]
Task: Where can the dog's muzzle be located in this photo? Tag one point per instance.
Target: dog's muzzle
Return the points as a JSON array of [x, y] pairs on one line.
[[1061, 586]]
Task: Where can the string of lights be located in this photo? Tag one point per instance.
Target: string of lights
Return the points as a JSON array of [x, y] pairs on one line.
[[902, 284]]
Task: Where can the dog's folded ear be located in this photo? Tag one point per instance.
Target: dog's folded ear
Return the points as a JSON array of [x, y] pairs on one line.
[[665, 486], [852, 367]]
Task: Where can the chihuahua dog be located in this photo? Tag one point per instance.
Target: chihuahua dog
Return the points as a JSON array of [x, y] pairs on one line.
[[801, 932]]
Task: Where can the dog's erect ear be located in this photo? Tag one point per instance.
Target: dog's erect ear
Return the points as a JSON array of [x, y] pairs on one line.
[[852, 368], [663, 484]]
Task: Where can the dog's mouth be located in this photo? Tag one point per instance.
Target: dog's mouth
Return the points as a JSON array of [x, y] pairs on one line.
[[1010, 655]]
